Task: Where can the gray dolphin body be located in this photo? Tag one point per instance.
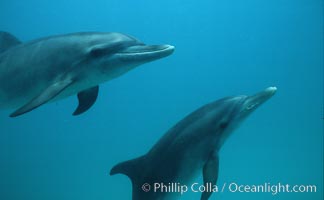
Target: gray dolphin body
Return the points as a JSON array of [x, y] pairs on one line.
[[52, 68], [190, 147]]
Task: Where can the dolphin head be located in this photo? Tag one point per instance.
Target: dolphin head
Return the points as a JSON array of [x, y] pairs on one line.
[[116, 53], [224, 115], [251, 103]]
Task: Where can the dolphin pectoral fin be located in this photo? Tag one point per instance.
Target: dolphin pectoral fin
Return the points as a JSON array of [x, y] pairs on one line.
[[210, 174], [134, 170], [86, 99], [130, 168], [48, 94]]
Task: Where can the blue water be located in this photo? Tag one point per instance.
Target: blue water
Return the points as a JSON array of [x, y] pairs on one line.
[[222, 48]]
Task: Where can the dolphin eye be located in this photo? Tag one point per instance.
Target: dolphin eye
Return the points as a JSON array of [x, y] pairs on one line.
[[223, 125], [100, 51], [105, 49]]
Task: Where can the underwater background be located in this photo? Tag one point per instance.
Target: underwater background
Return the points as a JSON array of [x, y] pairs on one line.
[[223, 48]]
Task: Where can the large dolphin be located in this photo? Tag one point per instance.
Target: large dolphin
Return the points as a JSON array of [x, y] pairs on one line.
[[52, 68], [190, 147]]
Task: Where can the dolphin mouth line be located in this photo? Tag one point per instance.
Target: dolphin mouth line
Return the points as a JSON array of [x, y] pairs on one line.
[[167, 48], [259, 98]]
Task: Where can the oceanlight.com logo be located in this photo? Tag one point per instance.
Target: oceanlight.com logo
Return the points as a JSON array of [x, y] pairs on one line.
[[274, 189]]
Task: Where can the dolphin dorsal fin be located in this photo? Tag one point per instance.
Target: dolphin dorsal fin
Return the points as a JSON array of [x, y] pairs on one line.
[[7, 41], [131, 168]]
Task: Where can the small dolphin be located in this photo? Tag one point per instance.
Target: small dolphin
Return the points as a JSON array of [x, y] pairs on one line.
[[190, 147], [52, 68]]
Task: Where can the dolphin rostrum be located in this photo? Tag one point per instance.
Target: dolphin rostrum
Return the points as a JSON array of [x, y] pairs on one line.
[[52, 68], [190, 147]]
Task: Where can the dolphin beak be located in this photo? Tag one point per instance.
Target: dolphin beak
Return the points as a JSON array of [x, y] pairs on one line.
[[146, 53], [266, 94], [259, 98]]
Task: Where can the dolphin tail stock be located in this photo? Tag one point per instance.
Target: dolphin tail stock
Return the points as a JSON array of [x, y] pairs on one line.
[[7, 41]]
